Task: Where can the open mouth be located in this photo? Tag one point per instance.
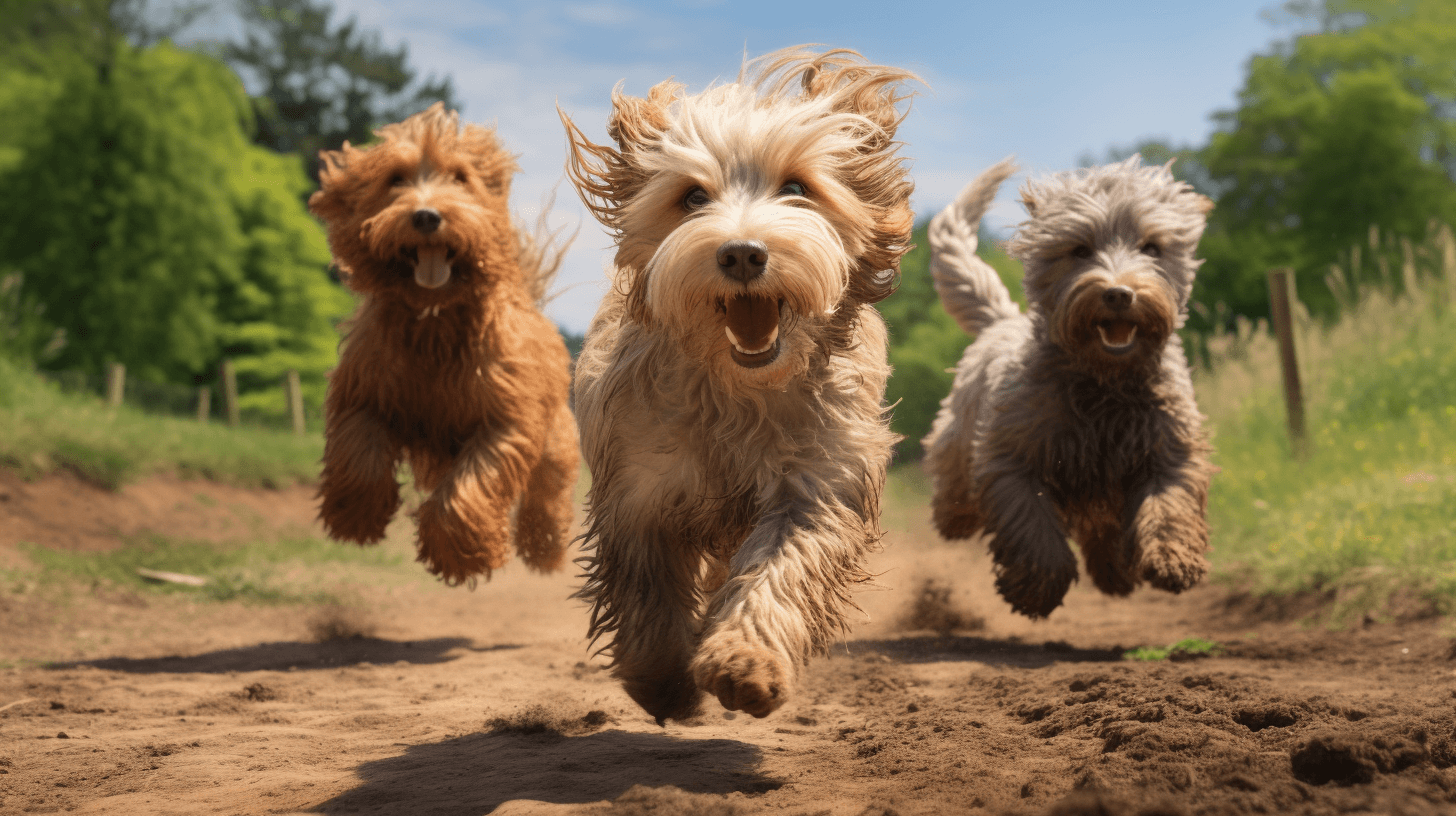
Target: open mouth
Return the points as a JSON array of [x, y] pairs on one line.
[[752, 326], [1117, 335], [430, 265]]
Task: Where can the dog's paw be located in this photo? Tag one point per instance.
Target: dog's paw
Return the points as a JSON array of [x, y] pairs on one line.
[[665, 697], [1172, 568], [743, 677], [456, 551]]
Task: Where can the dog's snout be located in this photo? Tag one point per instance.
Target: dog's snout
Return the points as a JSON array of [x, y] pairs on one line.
[[742, 260], [426, 219], [1118, 297]]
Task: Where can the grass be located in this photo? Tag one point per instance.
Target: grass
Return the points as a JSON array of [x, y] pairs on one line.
[[1368, 514], [1182, 649], [292, 570], [43, 429]]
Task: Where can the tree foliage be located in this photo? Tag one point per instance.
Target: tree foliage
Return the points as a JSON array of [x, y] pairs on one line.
[[1343, 130], [322, 84], [147, 228]]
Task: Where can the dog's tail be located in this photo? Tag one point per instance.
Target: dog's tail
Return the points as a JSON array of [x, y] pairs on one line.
[[969, 289], [540, 250]]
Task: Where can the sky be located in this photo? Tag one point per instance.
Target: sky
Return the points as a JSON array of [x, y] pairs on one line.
[[1051, 82]]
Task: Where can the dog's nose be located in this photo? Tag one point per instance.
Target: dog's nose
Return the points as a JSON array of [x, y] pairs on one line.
[[426, 219], [742, 260], [1118, 297]]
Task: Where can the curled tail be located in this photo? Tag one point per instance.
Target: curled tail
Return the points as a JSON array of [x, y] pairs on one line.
[[539, 252], [969, 289]]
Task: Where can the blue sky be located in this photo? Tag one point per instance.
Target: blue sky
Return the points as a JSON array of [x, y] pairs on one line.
[[1050, 82]]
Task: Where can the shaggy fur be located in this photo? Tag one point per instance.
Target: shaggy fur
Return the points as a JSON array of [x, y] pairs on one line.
[[1077, 418], [734, 421], [449, 363]]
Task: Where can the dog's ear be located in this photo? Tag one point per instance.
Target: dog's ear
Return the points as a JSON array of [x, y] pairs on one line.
[[1028, 200], [329, 201], [1203, 204], [605, 177]]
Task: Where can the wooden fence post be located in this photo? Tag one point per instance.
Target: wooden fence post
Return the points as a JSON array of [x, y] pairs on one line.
[[293, 390], [230, 392], [204, 403], [115, 384], [1281, 313]]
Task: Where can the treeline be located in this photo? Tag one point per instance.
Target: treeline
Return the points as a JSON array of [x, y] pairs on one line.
[[155, 211], [1341, 153]]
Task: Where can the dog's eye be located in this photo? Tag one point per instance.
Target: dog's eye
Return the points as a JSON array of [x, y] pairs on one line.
[[1081, 251], [396, 180], [792, 188], [462, 177], [1152, 250], [696, 198]]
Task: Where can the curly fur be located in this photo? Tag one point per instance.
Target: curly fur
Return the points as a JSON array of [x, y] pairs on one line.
[[466, 379], [732, 507], [1077, 418]]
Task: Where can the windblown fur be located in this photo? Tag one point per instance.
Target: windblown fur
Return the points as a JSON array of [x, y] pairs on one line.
[[1078, 418], [734, 421], [449, 363]]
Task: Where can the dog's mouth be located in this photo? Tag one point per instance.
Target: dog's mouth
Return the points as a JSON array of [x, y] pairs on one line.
[[1118, 336], [752, 326], [430, 265]]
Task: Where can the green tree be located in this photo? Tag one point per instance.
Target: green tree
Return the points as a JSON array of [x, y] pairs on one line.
[[1336, 132], [322, 84], [151, 232]]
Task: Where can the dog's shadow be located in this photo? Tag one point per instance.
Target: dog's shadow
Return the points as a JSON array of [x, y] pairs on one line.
[[476, 773], [286, 656], [991, 651]]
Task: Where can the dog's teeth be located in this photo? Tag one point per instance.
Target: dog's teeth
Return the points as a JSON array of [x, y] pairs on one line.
[[767, 343]]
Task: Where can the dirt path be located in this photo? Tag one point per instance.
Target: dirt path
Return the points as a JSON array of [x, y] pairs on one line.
[[455, 702]]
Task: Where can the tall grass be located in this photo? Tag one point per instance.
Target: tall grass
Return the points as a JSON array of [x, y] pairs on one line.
[[43, 429], [1369, 514]]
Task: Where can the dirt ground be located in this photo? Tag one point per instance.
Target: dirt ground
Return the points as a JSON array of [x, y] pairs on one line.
[[415, 698]]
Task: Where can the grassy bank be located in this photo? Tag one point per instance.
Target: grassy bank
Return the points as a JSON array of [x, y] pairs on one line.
[[43, 429], [1368, 515]]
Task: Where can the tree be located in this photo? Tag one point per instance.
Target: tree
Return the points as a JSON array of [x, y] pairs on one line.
[[1338, 131], [323, 84], [151, 232]]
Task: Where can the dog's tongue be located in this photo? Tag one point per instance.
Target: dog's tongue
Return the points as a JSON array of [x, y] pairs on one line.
[[432, 270], [753, 323]]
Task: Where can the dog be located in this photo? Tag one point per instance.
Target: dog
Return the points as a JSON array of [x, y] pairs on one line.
[[449, 363], [1077, 417], [730, 391]]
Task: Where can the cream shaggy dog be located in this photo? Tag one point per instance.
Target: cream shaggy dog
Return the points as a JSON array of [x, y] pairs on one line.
[[1078, 417], [731, 390]]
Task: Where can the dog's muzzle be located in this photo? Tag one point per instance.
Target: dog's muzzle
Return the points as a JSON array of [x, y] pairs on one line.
[[752, 326]]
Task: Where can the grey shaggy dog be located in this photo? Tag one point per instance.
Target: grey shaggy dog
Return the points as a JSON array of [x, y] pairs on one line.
[[1077, 418]]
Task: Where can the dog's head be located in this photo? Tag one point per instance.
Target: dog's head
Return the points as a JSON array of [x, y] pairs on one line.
[[1108, 253], [752, 219], [421, 214]]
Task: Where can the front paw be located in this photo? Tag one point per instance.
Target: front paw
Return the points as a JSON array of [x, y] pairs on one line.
[[1172, 567], [457, 550], [361, 518], [744, 677]]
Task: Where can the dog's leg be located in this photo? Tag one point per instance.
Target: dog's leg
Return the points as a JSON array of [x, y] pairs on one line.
[[784, 600], [1034, 565], [357, 490], [953, 508], [1105, 550], [543, 525], [1168, 531], [645, 592], [465, 524]]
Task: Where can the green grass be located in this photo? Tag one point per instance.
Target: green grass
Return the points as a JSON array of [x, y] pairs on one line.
[[1368, 515], [43, 429], [1187, 647], [295, 570]]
